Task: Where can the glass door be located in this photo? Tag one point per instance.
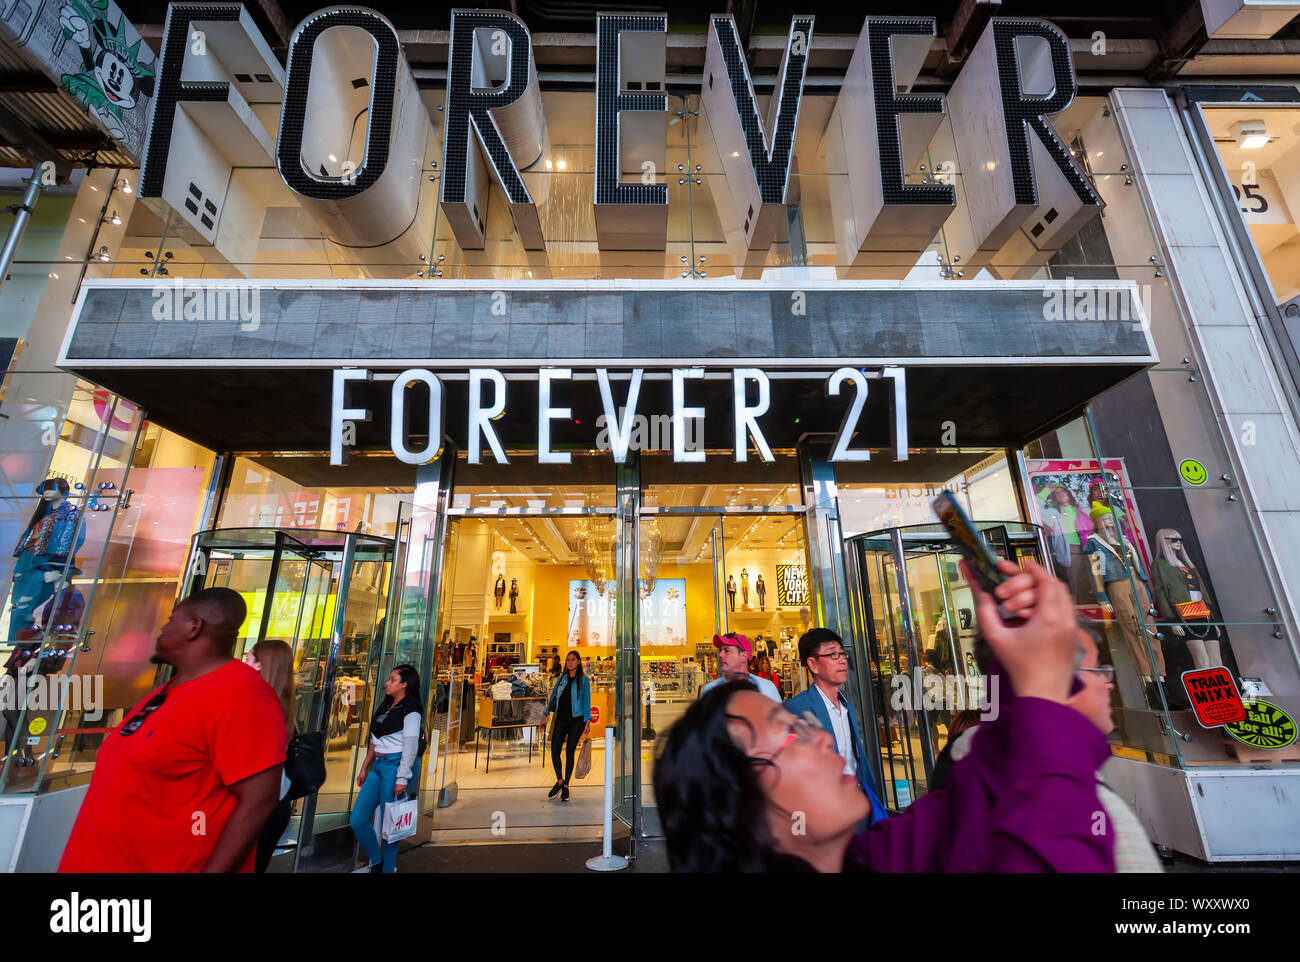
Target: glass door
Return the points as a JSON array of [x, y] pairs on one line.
[[919, 619], [680, 590]]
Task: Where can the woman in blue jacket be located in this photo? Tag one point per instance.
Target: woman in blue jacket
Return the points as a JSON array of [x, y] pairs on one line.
[[571, 701]]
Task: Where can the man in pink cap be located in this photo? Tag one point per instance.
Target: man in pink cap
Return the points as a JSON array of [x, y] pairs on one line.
[[734, 653]]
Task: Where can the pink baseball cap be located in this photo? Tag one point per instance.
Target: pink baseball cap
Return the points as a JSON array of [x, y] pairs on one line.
[[735, 639]]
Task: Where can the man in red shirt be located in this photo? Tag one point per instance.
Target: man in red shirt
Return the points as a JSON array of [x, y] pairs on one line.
[[189, 778]]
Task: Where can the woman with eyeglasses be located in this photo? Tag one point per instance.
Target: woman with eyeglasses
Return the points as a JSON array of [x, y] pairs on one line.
[[743, 785], [392, 764], [1090, 696]]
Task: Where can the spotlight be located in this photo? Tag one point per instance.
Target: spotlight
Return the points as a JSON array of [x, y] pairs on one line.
[[1250, 134]]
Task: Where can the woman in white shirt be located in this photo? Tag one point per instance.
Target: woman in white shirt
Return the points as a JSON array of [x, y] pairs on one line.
[[392, 762]]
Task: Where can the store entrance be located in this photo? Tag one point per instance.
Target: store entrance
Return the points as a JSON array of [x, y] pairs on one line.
[[919, 615], [520, 591], [325, 594]]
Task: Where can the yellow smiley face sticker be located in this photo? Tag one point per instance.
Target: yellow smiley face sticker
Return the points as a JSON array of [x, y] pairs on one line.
[[1192, 471], [37, 726]]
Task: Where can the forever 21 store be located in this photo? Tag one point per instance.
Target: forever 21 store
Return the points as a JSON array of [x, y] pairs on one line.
[[530, 423]]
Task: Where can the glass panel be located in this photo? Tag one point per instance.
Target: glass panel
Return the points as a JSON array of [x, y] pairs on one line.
[[666, 484], [921, 632], [679, 597], [872, 497], [65, 543], [1260, 150], [767, 589], [352, 702], [587, 482], [520, 592]]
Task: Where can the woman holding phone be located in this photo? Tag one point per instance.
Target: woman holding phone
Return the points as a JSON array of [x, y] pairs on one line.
[[736, 769]]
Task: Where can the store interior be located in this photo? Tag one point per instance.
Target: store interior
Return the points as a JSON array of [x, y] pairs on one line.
[[523, 590]]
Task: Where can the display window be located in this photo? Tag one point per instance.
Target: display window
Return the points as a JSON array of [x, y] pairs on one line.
[[1260, 150]]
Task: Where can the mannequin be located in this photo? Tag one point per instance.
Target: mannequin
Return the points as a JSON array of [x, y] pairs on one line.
[[53, 534], [1112, 554], [731, 591], [514, 594], [744, 587], [499, 591], [761, 589], [1178, 588]]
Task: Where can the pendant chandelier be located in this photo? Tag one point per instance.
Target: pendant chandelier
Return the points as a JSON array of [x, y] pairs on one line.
[[652, 546], [594, 553]]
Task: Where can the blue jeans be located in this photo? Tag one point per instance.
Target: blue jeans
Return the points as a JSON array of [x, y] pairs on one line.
[[377, 788]]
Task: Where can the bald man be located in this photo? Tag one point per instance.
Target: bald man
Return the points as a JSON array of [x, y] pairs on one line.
[[189, 778]]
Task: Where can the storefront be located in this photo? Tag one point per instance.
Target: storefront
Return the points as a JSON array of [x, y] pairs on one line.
[[527, 423]]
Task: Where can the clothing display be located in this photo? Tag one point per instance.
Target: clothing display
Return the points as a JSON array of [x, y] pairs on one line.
[[1068, 529], [499, 591], [514, 594], [53, 536], [744, 586], [1113, 556], [1183, 598], [731, 591], [761, 590]]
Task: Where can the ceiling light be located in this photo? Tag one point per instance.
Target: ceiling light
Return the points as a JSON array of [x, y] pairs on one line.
[[333, 159], [103, 254], [1250, 134]]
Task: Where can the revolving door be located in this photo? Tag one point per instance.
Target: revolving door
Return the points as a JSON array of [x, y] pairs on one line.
[[328, 595], [916, 613]]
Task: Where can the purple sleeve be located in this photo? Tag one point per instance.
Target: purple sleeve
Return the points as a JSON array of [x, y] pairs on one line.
[[1024, 800], [1046, 816]]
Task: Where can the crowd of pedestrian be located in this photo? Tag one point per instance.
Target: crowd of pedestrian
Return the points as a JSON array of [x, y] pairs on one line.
[[194, 777]]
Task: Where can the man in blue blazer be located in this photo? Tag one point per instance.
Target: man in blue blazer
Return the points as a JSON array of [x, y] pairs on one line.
[[822, 652]]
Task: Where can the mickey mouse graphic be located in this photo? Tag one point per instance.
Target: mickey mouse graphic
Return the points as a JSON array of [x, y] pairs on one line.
[[112, 78]]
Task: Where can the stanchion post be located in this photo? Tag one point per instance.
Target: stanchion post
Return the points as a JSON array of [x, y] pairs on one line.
[[608, 861]]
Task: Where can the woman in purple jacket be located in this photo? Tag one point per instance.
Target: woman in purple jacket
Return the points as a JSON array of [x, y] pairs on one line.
[[743, 785]]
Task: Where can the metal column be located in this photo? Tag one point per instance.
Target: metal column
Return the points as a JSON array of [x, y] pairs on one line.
[[22, 215]]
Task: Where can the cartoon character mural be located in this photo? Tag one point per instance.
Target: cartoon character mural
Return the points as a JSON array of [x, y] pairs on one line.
[[112, 78]]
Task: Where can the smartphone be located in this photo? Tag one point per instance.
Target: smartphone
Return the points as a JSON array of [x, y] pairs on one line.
[[983, 562]]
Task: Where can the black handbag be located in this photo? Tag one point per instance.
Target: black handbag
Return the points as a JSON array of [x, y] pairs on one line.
[[304, 764]]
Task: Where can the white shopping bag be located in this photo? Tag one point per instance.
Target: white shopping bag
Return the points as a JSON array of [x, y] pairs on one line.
[[400, 819]]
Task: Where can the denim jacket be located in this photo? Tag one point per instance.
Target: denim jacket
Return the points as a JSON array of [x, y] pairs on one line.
[[580, 693]]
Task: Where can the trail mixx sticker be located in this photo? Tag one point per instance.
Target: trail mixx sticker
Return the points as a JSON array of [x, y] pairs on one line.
[[1265, 726], [1214, 698]]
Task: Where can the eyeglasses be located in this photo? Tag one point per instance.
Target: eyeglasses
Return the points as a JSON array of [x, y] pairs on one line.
[[148, 708], [1107, 672], [838, 654], [803, 729]]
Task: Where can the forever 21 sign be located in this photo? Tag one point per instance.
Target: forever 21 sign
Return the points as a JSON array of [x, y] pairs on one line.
[[751, 397]]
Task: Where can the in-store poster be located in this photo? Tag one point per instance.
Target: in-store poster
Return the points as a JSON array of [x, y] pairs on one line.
[[592, 613], [791, 586], [1064, 494]]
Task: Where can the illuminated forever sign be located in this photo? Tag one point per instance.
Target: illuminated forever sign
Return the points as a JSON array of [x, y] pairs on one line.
[[751, 397], [1020, 189]]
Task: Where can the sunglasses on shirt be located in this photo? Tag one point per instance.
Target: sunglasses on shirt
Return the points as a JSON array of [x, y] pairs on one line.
[[132, 724]]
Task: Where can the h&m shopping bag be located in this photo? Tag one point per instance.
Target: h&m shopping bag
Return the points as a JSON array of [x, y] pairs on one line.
[[400, 818]]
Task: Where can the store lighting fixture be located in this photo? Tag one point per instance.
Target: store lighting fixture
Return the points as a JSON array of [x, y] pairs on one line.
[[1250, 134], [113, 219], [103, 254]]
